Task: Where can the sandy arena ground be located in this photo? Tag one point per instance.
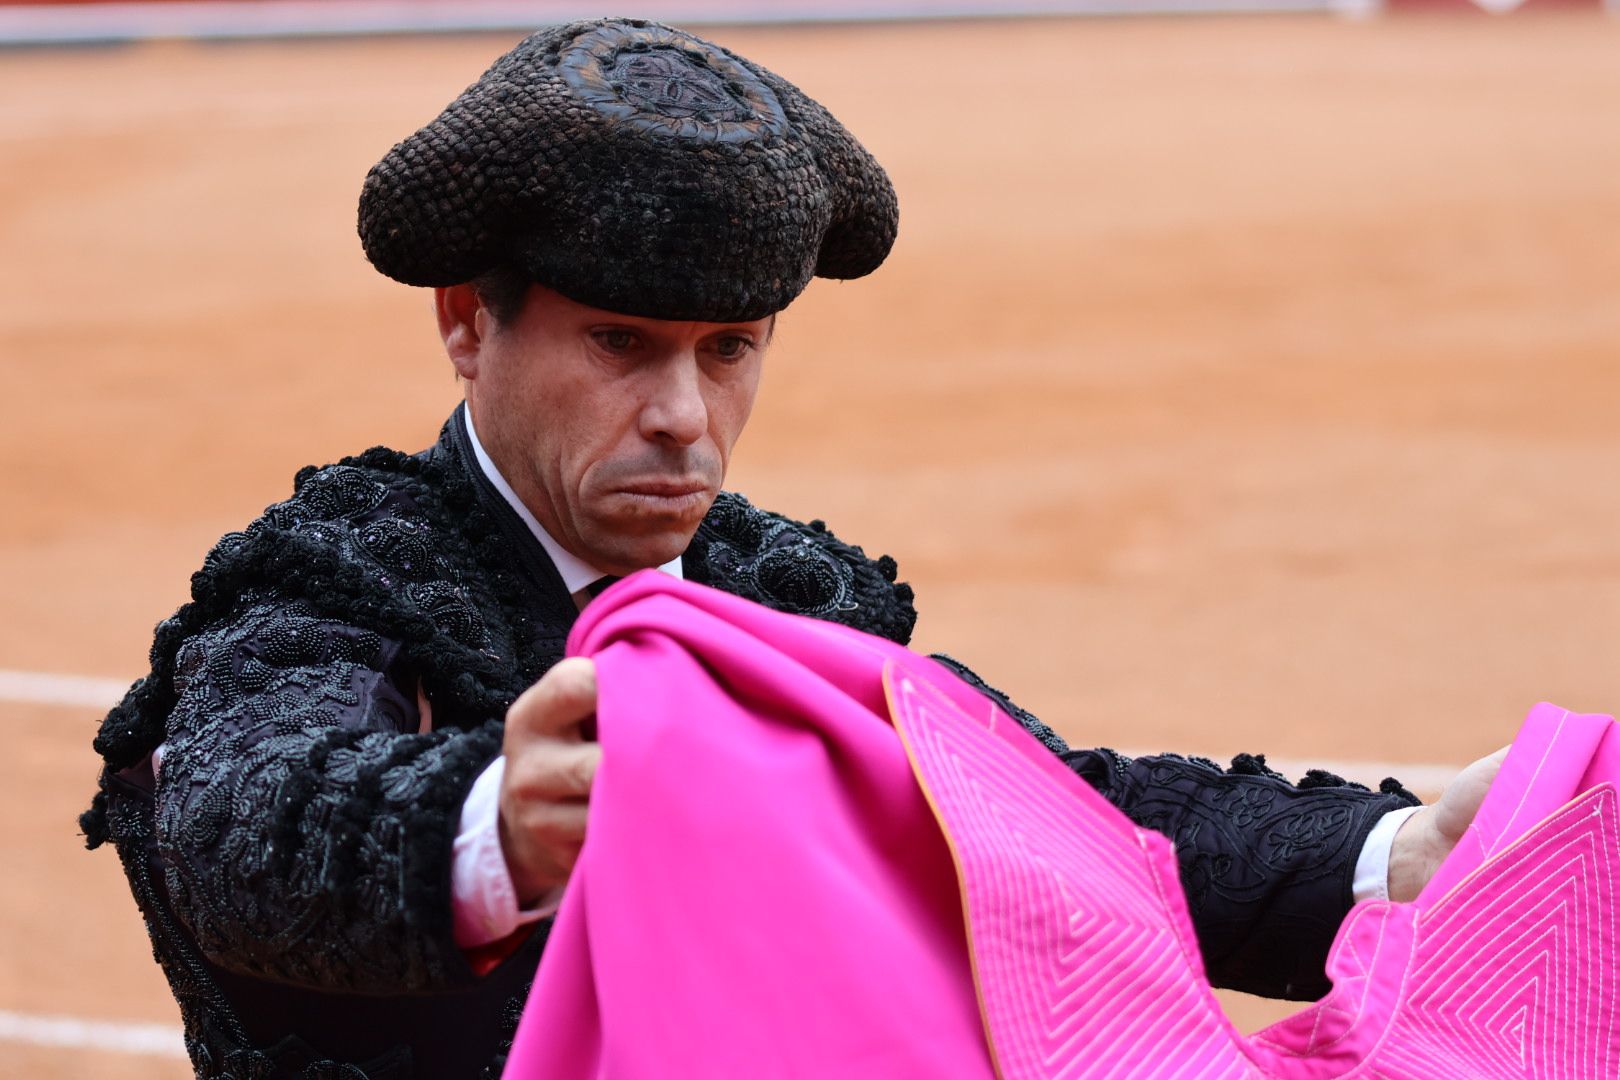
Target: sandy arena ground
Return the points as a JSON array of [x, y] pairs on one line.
[[1235, 384]]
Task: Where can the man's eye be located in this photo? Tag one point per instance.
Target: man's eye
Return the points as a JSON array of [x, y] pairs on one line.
[[615, 340], [733, 348]]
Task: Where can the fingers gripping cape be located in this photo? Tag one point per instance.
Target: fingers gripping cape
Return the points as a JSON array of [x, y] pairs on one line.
[[812, 853]]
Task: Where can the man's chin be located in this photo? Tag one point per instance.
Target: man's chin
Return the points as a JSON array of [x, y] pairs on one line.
[[633, 532], [623, 558]]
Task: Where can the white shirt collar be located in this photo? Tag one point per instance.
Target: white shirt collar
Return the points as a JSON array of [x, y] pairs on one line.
[[576, 572]]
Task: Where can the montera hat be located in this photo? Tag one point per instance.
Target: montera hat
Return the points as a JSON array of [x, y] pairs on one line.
[[632, 167]]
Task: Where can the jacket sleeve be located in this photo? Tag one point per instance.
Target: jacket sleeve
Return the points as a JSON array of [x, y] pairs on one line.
[[1267, 866], [304, 826]]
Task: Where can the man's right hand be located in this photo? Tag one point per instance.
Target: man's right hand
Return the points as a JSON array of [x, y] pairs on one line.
[[1427, 837], [547, 786]]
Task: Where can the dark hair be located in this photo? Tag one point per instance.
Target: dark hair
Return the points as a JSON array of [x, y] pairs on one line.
[[503, 292]]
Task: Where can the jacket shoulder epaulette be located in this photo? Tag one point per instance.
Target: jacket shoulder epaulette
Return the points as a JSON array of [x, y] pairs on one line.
[[799, 567]]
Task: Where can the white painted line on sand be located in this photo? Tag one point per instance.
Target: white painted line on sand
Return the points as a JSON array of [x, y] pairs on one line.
[[88, 691], [40, 688], [63, 24], [1424, 779], [72, 1033]]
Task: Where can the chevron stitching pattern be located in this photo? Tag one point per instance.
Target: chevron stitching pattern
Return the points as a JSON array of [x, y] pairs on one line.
[[1519, 962], [1087, 968], [1082, 974]]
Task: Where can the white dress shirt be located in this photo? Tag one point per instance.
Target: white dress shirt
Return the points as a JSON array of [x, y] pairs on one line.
[[484, 904]]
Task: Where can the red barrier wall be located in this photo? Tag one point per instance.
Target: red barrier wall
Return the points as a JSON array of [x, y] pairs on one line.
[[1480, 8]]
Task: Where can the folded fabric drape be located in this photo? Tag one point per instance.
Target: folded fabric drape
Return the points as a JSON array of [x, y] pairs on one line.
[[812, 853]]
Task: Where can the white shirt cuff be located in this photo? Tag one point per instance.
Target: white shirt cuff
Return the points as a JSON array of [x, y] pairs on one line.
[[483, 903], [1372, 866]]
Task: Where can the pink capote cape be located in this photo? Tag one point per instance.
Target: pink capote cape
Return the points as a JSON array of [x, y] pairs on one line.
[[812, 853]]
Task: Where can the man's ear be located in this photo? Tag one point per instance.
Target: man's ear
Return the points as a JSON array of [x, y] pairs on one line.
[[462, 324]]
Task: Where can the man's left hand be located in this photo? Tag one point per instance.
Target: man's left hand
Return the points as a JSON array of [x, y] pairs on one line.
[[1427, 837]]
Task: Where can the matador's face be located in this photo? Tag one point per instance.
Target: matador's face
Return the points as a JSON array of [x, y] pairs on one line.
[[614, 430]]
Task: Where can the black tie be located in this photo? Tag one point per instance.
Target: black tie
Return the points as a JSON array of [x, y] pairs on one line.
[[597, 587]]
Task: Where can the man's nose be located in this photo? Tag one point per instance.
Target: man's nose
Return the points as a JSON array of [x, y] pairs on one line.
[[675, 410]]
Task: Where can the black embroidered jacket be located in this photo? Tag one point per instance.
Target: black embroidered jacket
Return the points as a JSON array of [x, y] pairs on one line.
[[292, 854]]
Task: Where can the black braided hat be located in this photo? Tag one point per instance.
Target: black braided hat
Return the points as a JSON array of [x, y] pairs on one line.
[[635, 168]]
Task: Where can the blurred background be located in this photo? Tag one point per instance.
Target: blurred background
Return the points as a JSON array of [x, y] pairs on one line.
[[1244, 379]]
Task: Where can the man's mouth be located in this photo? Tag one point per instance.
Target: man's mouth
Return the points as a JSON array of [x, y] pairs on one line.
[[674, 497], [669, 488]]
